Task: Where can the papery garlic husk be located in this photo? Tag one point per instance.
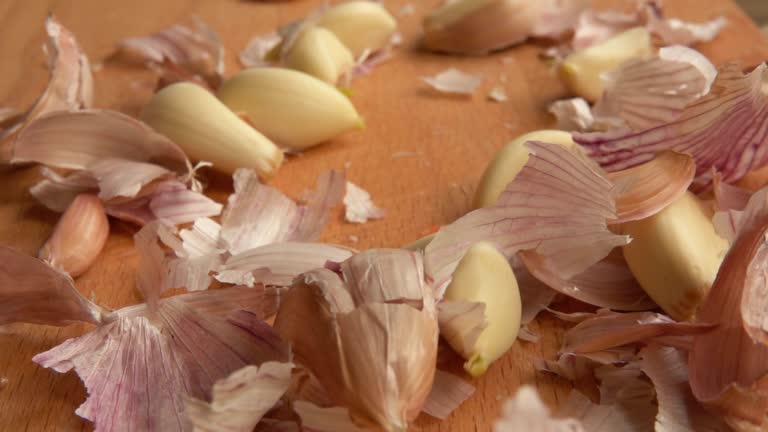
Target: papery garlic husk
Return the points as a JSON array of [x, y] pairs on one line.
[[582, 70], [510, 160], [208, 131], [361, 25], [78, 237], [319, 53], [675, 255], [292, 108], [368, 333], [420, 244], [485, 276]]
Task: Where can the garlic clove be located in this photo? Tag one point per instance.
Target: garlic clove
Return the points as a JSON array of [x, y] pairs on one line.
[[292, 108], [675, 255], [78, 237], [361, 25], [510, 160], [319, 52], [208, 131], [582, 70], [480, 26], [485, 276]]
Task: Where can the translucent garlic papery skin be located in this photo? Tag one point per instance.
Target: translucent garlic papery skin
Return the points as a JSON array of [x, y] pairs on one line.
[[368, 334]]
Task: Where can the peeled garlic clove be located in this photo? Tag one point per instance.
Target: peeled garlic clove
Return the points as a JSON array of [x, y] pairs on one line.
[[510, 160], [78, 237], [319, 53], [479, 26], [484, 275], [360, 25], [675, 255], [292, 108], [208, 131], [581, 71]]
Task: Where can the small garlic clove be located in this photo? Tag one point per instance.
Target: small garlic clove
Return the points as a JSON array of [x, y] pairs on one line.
[[292, 108], [208, 131], [582, 70], [361, 25], [485, 276], [480, 26], [509, 161], [319, 52], [78, 237], [675, 255]]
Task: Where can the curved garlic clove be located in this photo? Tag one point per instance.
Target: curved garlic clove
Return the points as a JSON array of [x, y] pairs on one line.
[[319, 52], [480, 26], [360, 25], [78, 237], [485, 276], [208, 131], [675, 255], [581, 71], [509, 161], [292, 108]]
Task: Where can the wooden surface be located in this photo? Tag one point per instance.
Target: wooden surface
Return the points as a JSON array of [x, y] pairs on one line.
[[420, 158]]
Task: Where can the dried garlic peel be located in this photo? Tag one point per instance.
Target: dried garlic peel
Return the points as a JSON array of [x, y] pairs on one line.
[[360, 25], [675, 255], [78, 237], [207, 130], [510, 160], [319, 52], [292, 108], [484, 276], [420, 244], [582, 70]]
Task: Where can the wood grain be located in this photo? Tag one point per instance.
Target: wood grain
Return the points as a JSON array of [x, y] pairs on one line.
[[443, 142]]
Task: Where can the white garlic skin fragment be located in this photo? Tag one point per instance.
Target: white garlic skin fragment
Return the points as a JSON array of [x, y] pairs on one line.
[[510, 160], [582, 70], [675, 255], [360, 25], [484, 275], [78, 237], [295, 110], [319, 53], [207, 130]]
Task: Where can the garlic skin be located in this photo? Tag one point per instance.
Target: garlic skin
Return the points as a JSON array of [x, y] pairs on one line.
[[581, 71], [361, 25], [480, 26], [485, 276], [420, 244], [319, 52], [208, 131], [675, 255], [293, 109], [510, 160], [78, 237]]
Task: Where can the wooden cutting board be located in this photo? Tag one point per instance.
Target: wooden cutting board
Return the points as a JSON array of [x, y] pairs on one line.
[[420, 157]]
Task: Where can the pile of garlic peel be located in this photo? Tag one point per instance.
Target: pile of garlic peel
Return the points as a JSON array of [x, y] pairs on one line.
[[354, 344]]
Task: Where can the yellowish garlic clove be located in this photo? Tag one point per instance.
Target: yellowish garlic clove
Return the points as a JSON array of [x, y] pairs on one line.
[[361, 25], [319, 52], [480, 26], [582, 70], [292, 108], [208, 131], [78, 237], [510, 160], [484, 276], [675, 255]]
